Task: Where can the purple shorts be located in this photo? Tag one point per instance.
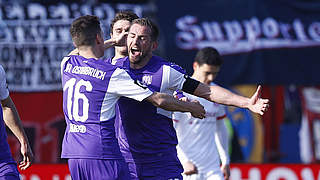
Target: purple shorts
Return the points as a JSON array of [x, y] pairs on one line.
[[9, 171], [155, 171], [94, 169]]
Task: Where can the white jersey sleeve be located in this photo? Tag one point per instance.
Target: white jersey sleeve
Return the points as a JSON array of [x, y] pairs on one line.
[[173, 77], [123, 85], [4, 92], [221, 112], [222, 141]]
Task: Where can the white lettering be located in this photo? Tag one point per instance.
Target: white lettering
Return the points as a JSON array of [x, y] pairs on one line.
[[281, 173], [254, 174], [306, 174], [193, 32], [298, 27], [235, 36], [68, 68], [314, 31], [89, 71], [270, 28], [234, 30], [252, 28], [77, 128]]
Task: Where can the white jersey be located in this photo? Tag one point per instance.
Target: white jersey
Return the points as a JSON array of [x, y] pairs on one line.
[[4, 92], [196, 137]]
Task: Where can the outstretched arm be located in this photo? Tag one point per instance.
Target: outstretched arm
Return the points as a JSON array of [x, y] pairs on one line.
[[170, 103], [118, 41], [12, 120], [223, 96]]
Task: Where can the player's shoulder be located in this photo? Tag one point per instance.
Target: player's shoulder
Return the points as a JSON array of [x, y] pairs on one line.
[[121, 62], [170, 64]]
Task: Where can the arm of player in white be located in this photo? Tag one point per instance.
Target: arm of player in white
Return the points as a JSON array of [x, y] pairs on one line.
[[188, 166], [118, 41], [221, 139], [222, 142]]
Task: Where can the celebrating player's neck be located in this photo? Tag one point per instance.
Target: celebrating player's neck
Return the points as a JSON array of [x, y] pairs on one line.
[[89, 52], [138, 63]]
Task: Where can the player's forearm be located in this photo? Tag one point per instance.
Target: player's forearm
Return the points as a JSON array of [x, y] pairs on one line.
[[109, 43], [221, 95], [118, 41], [12, 120], [169, 103]]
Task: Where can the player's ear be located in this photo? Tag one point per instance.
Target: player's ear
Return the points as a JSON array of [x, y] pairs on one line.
[[154, 45], [99, 38], [74, 44], [195, 66]]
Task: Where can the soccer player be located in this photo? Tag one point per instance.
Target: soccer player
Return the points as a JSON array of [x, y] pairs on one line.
[[148, 142], [202, 143], [9, 116], [91, 89], [119, 24]]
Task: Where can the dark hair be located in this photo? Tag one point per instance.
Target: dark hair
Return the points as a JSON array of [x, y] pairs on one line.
[[208, 55], [151, 25], [123, 15], [84, 30]]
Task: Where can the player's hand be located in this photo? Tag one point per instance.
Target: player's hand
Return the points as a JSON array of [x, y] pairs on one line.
[[198, 110], [189, 168], [226, 171], [27, 156], [121, 40], [74, 52], [257, 104], [185, 99]]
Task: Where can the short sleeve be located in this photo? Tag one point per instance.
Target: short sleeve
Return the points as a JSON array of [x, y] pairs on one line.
[[4, 92], [174, 76], [221, 112], [123, 85]]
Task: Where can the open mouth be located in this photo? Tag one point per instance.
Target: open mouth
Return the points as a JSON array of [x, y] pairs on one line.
[[135, 51]]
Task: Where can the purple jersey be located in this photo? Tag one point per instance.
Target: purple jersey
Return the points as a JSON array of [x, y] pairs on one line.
[[91, 89], [108, 60], [146, 133]]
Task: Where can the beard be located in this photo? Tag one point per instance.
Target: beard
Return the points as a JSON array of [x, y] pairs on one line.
[[142, 57]]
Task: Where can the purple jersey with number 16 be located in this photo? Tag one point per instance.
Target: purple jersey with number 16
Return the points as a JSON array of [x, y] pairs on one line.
[[91, 89]]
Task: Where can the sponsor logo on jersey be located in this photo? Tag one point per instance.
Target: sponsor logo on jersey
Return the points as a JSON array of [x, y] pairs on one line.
[[77, 128]]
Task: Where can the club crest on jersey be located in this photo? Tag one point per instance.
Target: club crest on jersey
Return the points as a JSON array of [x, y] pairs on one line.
[[139, 83], [147, 79]]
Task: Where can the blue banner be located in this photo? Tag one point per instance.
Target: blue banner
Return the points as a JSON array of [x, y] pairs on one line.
[[262, 42]]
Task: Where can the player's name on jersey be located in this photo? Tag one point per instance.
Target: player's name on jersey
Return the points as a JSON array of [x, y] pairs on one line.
[[77, 128], [89, 71]]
